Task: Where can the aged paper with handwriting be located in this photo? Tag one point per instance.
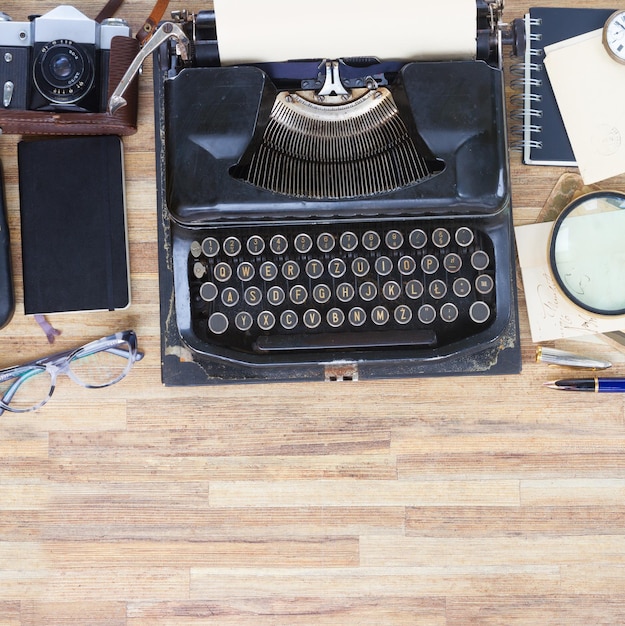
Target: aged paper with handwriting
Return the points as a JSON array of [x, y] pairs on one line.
[[551, 314]]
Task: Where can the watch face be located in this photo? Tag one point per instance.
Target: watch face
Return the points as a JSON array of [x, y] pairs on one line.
[[614, 36]]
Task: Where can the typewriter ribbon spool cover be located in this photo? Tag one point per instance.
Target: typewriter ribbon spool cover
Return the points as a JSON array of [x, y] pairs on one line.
[[354, 216]]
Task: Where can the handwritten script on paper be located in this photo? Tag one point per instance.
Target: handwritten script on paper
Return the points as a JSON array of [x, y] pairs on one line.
[[551, 314]]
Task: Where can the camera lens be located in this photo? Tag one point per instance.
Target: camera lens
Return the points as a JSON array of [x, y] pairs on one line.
[[62, 67], [63, 72]]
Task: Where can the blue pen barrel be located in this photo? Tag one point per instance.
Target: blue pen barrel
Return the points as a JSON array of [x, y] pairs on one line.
[[611, 385]]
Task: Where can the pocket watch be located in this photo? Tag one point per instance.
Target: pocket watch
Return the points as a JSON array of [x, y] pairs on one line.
[[614, 36]]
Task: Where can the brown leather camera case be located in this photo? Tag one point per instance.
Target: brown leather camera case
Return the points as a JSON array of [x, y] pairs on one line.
[[122, 122]]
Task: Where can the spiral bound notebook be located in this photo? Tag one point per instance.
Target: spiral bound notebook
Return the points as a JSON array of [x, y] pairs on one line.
[[545, 141]]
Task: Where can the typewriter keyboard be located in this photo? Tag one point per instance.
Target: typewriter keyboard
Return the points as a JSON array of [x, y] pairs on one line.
[[268, 289]]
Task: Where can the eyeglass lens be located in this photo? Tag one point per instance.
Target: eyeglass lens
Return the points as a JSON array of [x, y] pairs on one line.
[[27, 388], [94, 367]]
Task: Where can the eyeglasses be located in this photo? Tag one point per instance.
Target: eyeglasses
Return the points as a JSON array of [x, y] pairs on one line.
[[97, 364]]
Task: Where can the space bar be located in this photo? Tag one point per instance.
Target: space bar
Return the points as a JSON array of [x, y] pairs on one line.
[[345, 341]]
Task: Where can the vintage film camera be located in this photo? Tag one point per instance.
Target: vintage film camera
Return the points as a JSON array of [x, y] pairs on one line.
[[57, 71]]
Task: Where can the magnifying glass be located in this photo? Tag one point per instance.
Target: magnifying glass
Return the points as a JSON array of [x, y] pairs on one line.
[[587, 252]]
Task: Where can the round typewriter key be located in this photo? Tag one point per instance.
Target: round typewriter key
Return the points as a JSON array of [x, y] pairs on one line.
[[479, 312], [360, 267], [232, 246], [383, 266], [480, 260], [429, 264], [208, 292], [288, 319], [391, 290], [312, 318], [337, 268], [321, 293], [441, 237], [357, 316], [586, 252], [222, 272], [394, 240], [314, 268], [402, 314], [371, 240], [452, 263], [368, 291], [218, 323], [253, 296], [303, 243], [243, 321], [449, 312], [278, 244], [406, 265], [484, 284], [268, 271], [230, 296], [414, 289], [255, 244], [437, 289], [464, 236], [335, 317], [345, 292], [298, 294], [418, 238], [245, 271], [380, 315], [210, 246], [266, 320], [290, 270], [426, 314], [325, 242], [462, 287], [276, 295], [348, 241]]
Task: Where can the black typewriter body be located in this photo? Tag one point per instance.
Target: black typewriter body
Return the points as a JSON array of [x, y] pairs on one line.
[[281, 261]]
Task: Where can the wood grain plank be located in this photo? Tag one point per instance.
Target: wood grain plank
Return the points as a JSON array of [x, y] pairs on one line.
[[368, 611], [363, 493], [218, 583]]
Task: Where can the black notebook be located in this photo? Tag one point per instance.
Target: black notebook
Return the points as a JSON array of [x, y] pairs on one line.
[[72, 206], [545, 141]]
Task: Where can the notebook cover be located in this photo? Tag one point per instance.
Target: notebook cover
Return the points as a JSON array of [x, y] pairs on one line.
[[544, 27], [74, 244]]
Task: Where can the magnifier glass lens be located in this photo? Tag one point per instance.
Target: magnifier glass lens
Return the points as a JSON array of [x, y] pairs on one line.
[[588, 252]]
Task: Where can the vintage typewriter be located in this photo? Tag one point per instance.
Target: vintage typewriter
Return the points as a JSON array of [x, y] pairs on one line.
[[333, 219]]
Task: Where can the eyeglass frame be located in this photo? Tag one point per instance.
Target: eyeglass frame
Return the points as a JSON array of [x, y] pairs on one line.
[[59, 363]]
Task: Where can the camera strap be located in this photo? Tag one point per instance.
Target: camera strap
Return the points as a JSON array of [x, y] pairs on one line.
[[108, 10], [149, 26], [147, 30]]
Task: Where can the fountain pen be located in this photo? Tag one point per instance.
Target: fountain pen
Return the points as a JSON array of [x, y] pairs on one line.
[[596, 384]]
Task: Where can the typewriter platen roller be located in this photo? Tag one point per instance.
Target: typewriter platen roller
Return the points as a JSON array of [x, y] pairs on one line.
[[333, 217]]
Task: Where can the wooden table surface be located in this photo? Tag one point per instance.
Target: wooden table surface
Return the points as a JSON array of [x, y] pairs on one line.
[[454, 501]]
